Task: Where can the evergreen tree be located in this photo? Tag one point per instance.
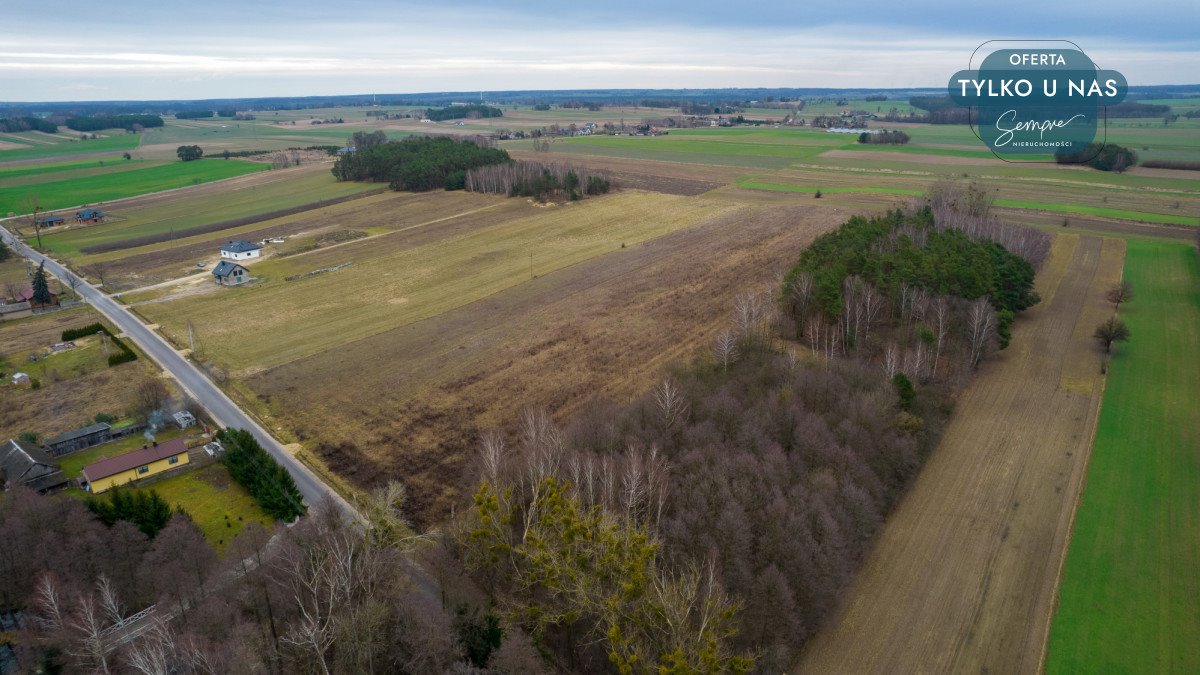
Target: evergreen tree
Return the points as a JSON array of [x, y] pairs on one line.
[[41, 289]]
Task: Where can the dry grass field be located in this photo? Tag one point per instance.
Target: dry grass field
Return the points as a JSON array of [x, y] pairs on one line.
[[604, 328], [394, 281], [66, 399], [964, 573]]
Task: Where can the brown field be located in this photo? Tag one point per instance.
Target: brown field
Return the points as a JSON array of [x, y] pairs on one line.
[[964, 573], [63, 402], [602, 328], [646, 174], [885, 156]]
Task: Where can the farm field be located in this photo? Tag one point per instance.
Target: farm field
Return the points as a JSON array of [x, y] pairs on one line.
[[253, 194], [65, 143], [118, 182], [392, 283], [969, 560], [1128, 600], [602, 328]]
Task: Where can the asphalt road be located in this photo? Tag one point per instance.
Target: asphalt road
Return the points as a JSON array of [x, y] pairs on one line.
[[219, 406]]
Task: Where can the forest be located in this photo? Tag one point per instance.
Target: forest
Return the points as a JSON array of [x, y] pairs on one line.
[[127, 122], [12, 125], [710, 525], [1100, 156], [884, 138], [540, 181], [418, 163]]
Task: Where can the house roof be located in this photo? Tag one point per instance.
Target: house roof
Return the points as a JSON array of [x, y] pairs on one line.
[[89, 213], [132, 460], [26, 463], [27, 295], [51, 219], [79, 433], [240, 246], [225, 268]]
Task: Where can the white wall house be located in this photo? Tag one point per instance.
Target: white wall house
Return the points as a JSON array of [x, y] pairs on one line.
[[240, 250]]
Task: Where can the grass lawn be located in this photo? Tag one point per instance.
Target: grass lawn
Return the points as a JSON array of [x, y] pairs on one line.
[[219, 506], [1130, 594], [57, 194]]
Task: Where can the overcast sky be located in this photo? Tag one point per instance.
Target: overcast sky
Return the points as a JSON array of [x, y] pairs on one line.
[[167, 49]]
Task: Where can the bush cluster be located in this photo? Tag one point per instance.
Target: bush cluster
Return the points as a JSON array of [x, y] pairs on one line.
[[145, 509]]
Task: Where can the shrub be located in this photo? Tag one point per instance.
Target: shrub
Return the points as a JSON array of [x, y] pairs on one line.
[[904, 390], [264, 478], [145, 509]]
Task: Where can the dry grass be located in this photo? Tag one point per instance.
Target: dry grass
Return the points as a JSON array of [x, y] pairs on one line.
[[963, 576], [66, 402], [604, 328], [392, 283]]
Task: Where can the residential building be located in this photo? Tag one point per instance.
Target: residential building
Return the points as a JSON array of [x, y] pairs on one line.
[[149, 461], [240, 249], [27, 296], [50, 221], [230, 274], [89, 216]]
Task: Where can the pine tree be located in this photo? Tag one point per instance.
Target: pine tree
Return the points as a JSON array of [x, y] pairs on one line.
[[41, 289]]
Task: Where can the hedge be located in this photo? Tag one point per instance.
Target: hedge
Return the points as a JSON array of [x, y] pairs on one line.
[[124, 353], [264, 478]]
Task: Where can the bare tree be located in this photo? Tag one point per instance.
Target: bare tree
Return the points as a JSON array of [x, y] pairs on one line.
[[89, 627], [51, 609], [72, 281], [1112, 330], [491, 455], [1122, 292], [801, 294], [981, 328], [98, 271], [940, 309], [672, 408], [891, 360], [749, 315], [725, 350], [32, 204]]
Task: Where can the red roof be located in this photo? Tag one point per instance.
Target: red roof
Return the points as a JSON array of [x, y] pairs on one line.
[[132, 460], [27, 295]]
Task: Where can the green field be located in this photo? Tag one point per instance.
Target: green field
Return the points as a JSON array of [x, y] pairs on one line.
[[1130, 594], [218, 505], [291, 190], [110, 185], [116, 142]]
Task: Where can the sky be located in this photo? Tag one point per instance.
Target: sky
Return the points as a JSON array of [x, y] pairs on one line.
[[77, 50]]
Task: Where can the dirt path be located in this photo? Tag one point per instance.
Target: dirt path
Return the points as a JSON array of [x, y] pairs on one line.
[[964, 574]]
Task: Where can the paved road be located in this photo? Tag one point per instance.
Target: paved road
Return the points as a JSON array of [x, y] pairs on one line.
[[219, 406]]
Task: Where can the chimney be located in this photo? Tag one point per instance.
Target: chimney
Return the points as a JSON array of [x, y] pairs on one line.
[[155, 443]]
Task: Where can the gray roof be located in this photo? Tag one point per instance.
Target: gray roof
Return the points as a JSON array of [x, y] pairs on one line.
[[79, 433], [240, 246], [225, 268], [28, 465]]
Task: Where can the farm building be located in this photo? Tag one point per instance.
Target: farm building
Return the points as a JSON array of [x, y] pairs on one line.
[[122, 469], [86, 437], [230, 274], [26, 464], [89, 216], [50, 221], [240, 249], [27, 296], [14, 310], [20, 378]]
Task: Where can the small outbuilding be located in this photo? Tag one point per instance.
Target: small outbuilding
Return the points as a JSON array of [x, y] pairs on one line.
[[149, 461], [89, 216], [240, 249], [230, 274], [79, 439], [184, 419], [20, 378], [50, 221]]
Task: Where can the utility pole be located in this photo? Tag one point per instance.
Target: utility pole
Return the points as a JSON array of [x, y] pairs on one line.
[[37, 228]]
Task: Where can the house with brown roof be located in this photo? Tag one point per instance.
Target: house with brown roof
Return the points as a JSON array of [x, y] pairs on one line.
[[149, 461], [27, 296]]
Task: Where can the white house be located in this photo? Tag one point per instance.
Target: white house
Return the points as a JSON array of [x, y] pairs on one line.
[[239, 249]]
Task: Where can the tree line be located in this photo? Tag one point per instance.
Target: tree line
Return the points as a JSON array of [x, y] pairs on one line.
[[193, 114], [540, 181], [884, 138], [455, 112], [12, 125], [127, 122], [418, 163], [1100, 156]]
